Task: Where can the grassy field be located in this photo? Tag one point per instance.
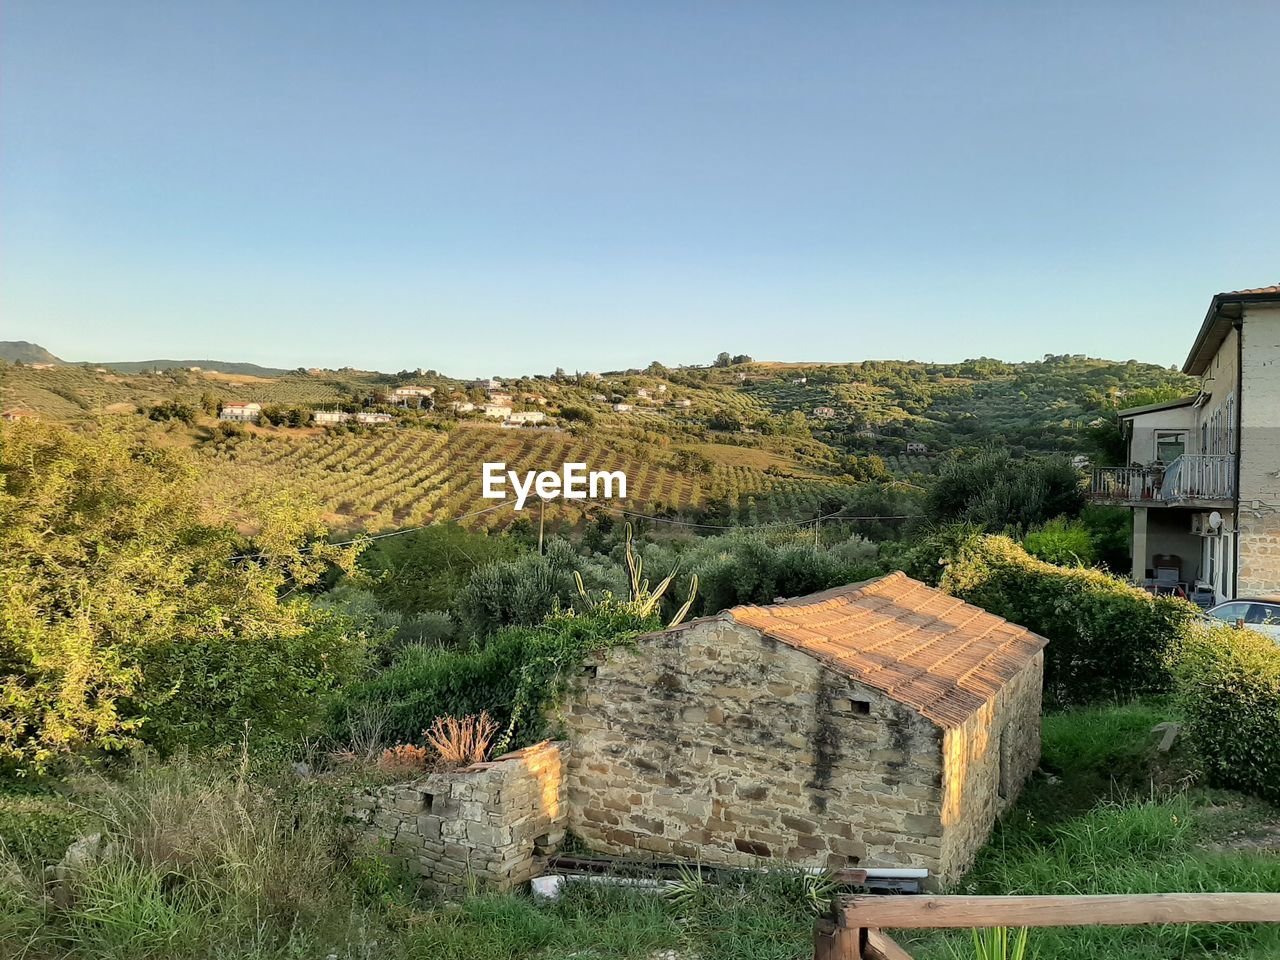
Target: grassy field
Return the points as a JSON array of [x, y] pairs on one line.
[[219, 864]]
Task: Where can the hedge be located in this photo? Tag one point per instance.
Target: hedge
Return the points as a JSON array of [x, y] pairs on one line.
[[1229, 692], [1107, 639]]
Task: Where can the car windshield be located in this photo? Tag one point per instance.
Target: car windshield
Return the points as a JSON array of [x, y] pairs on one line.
[[1263, 613]]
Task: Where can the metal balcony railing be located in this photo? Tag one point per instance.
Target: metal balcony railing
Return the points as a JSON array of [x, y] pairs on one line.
[[1192, 477]]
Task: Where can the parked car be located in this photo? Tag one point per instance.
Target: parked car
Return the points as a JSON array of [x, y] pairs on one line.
[[1260, 615]]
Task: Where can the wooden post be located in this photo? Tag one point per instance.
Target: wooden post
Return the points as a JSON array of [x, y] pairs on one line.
[[831, 941]]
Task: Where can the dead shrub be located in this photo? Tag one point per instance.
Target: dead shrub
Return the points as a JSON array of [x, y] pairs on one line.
[[460, 743]]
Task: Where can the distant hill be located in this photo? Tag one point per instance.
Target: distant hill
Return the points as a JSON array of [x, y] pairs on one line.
[[20, 351], [217, 366], [24, 352]]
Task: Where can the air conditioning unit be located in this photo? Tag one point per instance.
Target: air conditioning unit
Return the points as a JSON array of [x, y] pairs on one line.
[[1206, 524]]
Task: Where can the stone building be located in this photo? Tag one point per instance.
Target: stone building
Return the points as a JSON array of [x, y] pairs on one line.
[[882, 724]]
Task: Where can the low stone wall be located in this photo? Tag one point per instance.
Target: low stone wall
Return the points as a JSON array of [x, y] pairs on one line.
[[490, 823]]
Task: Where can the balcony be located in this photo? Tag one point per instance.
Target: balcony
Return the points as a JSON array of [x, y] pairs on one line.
[[1190, 481]]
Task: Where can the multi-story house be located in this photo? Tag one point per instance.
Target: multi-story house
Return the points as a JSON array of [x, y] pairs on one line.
[[242, 412], [1203, 479]]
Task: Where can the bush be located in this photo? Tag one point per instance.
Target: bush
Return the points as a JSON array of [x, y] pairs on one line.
[[523, 592], [1107, 639], [515, 675], [1062, 542], [1229, 692], [997, 491], [127, 617]]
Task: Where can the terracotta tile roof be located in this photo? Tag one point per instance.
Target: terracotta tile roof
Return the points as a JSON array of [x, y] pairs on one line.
[[1274, 288], [930, 651]]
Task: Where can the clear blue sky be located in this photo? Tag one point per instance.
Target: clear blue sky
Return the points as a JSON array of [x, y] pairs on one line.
[[500, 187]]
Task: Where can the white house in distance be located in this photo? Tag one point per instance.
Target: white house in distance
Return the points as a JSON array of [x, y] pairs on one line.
[[915, 446], [491, 383], [241, 412], [499, 410], [824, 413], [374, 419], [527, 416], [330, 416], [411, 396], [683, 402], [1203, 474], [462, 406], [622, 408]]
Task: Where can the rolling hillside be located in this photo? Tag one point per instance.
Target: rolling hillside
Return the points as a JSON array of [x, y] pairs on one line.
[[744, 439]]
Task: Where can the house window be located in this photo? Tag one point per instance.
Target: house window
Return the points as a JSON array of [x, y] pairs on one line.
[[1170, 445]]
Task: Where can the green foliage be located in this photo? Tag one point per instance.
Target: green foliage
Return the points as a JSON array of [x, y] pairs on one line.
[[515, 675], [1063, 542], [1107, 639], [37, 827], [1229, 691], [524, 591], [997, 491], [750, 567], [126, 617], [173, 410], [427, 569]]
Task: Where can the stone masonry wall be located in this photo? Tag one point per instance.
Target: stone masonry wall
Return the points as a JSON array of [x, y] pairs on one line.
[[1259, 513], [491, 822], [988, 760], [717, 743]]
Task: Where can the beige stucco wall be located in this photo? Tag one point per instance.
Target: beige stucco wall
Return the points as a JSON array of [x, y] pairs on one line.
[[716, 743], [988, 760], [1142, 439], [1259, 514]]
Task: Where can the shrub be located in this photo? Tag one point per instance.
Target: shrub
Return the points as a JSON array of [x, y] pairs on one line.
[[997, 491], [1062, 542], [460, 742], [1107, 639], [514, 676], [1229, 691], [525, 591], [126, 616]]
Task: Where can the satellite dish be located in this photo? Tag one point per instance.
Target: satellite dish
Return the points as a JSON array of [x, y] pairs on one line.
[[1215, 519]]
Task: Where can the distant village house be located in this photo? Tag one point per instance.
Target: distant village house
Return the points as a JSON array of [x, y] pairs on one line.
[[241, 412], [824, 413], [916, 447], [330, 416]]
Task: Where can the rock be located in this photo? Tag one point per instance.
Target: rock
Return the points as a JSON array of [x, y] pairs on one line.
[[81, 855], [1170, 733]]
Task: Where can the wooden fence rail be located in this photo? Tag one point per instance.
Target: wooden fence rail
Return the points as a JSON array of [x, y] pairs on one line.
[[852, 932]]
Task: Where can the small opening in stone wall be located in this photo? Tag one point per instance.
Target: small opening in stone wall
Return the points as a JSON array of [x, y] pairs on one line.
[[590, 670], [427, 800], [859, 708]]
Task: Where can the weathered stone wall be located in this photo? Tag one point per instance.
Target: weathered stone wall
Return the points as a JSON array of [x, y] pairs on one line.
[[1259, 514], [988, 760], [491, 822], [717, 743]]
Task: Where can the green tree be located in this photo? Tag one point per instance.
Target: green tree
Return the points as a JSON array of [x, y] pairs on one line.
[[997, 491], [125, 617]]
